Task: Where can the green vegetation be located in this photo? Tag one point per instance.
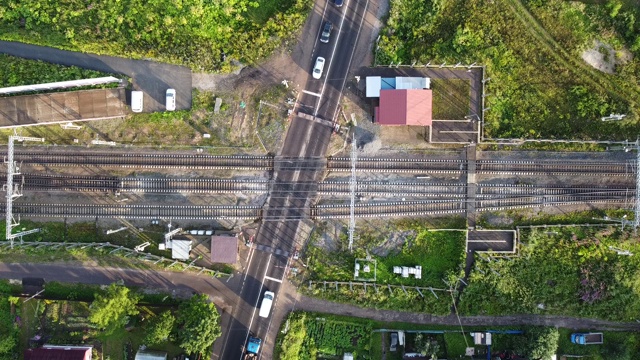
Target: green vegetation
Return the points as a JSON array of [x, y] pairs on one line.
[[199, 325], [159, 328], [308, 338], [75, 322], [17, 71], [450, 98], [305, 335], [540, 87], [9, 331], [440, 253], [111, 310], [195, 33], [569, 271]]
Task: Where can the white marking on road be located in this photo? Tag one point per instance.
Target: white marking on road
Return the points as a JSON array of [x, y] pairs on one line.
[[333, 52], [248, 263], [273, 279], [488, 241], [312, 93], [364, 13], [255, 306]]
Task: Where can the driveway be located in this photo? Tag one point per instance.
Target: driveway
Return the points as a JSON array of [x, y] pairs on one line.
[[151, 77]]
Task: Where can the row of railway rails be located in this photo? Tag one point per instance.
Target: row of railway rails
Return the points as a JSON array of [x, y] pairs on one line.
[[53, 157], [143, 160], [556, 167]]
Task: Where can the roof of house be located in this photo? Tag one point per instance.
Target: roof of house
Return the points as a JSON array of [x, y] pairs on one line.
[[150, 355], [405, 107], [224, 249], [59, 352], [376, 83]]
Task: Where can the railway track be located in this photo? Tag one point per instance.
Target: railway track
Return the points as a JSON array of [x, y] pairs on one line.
[[435, 166], [191, 212], [494, 191], [555, 167], [144, 160], [400, 208], [386, 188], [36, 182], [551, 200]]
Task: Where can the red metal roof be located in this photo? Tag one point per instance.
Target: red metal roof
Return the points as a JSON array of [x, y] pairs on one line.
[[405, 107], [58, 353]]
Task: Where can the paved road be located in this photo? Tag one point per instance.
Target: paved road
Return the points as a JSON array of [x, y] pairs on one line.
[[297, 170], [151, 77]]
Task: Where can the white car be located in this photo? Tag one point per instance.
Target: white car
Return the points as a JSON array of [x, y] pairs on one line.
[[317, 69], [267, 301], [171, 99]]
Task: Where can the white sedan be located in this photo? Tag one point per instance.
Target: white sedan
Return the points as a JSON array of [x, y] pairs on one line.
[[171, 99]]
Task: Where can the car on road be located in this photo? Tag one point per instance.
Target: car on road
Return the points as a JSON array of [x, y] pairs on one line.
[[267, 301], [137, 101], [318, 68], [326, 32], [339, 3], [171, 99]]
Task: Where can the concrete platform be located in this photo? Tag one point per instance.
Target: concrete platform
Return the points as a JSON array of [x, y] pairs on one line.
[[62, 107]]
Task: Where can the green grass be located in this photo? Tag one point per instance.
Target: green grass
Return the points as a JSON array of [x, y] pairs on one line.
[[570, 270], [17, 71], [540, 87], [190, 32], [451, 98], [440, 254]]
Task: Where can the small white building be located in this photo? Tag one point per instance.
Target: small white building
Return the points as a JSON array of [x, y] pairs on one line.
[[180, 248]]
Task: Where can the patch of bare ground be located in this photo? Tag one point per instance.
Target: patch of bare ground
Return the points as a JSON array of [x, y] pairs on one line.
[[604, 57]]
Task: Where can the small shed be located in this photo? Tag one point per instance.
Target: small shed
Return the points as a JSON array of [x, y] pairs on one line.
[[224, 249], [180, 248], [32, 285], [150, 355], [59, 352]]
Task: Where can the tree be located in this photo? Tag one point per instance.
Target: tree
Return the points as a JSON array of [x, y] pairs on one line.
[[199, 324], [159, 328], [425, 346], [112, 310], [540, 343]]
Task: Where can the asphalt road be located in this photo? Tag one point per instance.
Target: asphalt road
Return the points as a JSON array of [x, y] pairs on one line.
[[151, 77], [297, 169]]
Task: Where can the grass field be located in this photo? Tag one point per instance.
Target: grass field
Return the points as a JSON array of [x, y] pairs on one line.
[[203, 35], [539, 87]]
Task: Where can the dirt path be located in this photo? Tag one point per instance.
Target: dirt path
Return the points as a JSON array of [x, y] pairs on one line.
[[317, 305]]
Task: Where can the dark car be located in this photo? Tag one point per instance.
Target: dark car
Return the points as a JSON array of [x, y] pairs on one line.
[[339, 2], [326, 32]]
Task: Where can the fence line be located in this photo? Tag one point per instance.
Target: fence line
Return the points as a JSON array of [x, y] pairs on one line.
[[377, 286], [144, 256]]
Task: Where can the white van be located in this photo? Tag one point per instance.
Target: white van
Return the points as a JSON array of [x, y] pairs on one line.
[[267, 301], [136, 101]]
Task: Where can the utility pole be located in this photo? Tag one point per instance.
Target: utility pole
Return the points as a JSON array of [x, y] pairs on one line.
[[14, 192], [352, 188], [636, 220]]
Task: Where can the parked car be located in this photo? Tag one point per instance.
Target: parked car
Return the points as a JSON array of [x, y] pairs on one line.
[[171, 99], [326, 32], [137, 101], [318, 68]]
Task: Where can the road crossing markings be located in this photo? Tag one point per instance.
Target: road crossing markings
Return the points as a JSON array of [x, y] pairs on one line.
[[311, 93], [273, 279]]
